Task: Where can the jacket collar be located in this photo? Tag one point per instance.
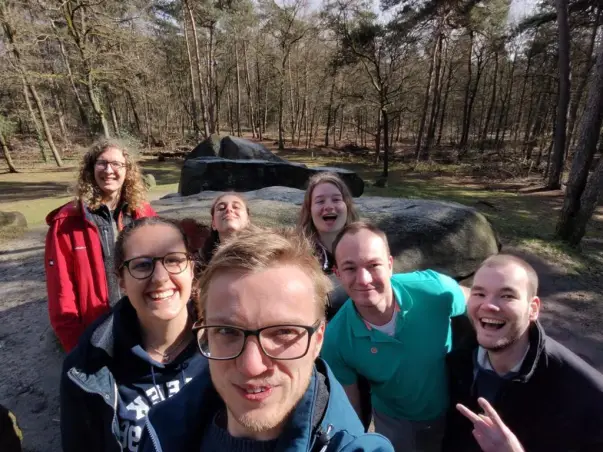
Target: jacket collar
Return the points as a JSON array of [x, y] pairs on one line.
[[180, 421]]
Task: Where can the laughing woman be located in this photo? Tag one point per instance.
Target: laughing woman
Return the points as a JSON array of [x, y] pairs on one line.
[[139, 354], [328, 207], [79, 245]]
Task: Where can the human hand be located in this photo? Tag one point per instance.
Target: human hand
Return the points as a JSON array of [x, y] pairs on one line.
[[489, 430]]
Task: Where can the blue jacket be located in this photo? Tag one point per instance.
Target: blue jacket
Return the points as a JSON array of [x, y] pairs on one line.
[[89, 386], [178, 424]]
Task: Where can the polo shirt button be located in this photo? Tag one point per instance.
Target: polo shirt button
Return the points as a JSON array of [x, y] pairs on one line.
[[374, 350]]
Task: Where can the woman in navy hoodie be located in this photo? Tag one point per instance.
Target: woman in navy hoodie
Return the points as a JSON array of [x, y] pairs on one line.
[[139, 354]]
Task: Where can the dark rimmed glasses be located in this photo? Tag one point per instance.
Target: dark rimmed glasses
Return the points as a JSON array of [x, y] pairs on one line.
[[142, 267], [282, 342]]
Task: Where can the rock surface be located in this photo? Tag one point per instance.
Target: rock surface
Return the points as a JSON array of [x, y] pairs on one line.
[[447, 237], [217, 174], [233, 148]]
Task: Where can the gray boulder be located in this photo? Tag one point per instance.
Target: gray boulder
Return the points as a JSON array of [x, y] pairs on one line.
[[218, 174], [448, 237], [233, 148]]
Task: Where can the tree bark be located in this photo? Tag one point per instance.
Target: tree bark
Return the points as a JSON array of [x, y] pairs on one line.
[[577, 97], [249, 93], [486, 128], [202, 95], [435, 105], [434, 54], [329, 109], [466, 114], [238, 89], [556, 172], [577, 210], [385, 143], [194, 102], [444, 105]]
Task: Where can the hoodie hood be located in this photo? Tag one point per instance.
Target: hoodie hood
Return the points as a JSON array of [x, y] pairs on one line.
[[71, 209]]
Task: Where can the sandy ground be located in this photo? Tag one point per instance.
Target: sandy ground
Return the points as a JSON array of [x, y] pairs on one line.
[[31, 360]]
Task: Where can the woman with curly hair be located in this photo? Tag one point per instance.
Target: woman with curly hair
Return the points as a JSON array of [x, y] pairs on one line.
[[80, 280]]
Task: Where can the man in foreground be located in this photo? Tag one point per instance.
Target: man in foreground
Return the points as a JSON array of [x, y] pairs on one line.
[[535, 394], [394, 331], [263, 319]]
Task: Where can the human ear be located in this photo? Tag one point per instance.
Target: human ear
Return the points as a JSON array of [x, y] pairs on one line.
[[319, 336], [534, 309]]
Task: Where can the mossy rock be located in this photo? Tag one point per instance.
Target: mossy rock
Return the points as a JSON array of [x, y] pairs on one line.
[[149, 180]]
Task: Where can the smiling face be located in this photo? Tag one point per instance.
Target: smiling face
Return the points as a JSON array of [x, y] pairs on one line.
[[500, 306], [260, 392], [229, 214], [329, 211], [163, 296], [364, 268], [110, 180]]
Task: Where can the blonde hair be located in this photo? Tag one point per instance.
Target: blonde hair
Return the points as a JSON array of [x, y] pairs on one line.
[[305, 223], [257, 249], [88, 191]]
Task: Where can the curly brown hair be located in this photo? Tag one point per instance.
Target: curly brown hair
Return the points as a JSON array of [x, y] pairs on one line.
[[88, 191], [304, 222]]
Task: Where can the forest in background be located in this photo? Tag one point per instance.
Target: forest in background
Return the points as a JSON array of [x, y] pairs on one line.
[[448, 79]]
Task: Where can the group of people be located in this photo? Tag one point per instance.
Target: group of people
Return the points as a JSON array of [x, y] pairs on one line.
[[228, 338]]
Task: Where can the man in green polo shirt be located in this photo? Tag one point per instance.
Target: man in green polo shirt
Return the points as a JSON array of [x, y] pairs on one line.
[[395, 332]]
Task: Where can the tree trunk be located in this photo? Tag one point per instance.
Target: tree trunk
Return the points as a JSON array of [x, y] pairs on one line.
[[7, 156], [385, 143], [522, 95], [238, 89], [505, 108], [249, 96], [96, 105], [60, 115], [486, 128], [466, 114], [45, 126], [329, 110], [434, 54], [435, 105], [577, 97], [194, 102], [78, 97], [378, 136], [574, 213], [202, 95], [281, 102], [444, 105], [556, 172], [212, 84]]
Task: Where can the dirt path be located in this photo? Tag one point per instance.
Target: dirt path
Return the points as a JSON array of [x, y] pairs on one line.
[[31, 360]]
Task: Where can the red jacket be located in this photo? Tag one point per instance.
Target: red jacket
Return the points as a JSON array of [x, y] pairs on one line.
[[75, 271]]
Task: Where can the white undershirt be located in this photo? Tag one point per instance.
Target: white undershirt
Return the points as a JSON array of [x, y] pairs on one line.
[[389, 328]]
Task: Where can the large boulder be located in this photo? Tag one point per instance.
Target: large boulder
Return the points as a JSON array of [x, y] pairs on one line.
[[448, 237], [233, 148], [218, 174]]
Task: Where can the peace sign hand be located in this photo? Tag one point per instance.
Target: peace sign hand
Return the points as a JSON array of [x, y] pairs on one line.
[[490, 432]]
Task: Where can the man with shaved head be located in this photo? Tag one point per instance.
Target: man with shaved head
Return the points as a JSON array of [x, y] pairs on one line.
[[516, 389]]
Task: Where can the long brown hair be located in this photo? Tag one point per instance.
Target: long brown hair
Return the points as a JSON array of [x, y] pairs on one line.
[[304, 222], [87, 190]]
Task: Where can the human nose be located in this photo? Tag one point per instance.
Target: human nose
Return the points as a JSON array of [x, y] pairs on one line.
[[363, 276], [108, 168], [160, 273], [490, 304], [252, 361]]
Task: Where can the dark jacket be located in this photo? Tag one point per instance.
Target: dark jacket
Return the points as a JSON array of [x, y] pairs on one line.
[[178, 424], [76, 281], [89, 386], [553, 404]]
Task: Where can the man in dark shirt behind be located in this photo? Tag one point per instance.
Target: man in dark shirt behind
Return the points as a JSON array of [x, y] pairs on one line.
[[535, 394]]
